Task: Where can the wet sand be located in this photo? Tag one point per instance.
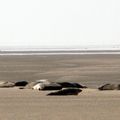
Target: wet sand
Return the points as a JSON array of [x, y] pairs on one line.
[[90, 70]]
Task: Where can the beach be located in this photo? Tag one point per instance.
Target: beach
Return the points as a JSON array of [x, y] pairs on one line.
[[90, 70]]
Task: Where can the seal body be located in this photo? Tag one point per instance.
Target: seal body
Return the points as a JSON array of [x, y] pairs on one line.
[[6, 84], [66, 91], [38, 86], [107, 87], [21, 83], [48, 86]]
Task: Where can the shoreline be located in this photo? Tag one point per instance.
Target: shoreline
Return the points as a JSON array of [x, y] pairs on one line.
[[92, 52]]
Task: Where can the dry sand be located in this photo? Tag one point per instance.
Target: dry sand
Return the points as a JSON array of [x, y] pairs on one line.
[[90, 70], [35, 105]]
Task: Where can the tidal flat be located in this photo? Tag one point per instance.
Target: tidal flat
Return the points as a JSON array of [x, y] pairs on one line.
[[89, 70]]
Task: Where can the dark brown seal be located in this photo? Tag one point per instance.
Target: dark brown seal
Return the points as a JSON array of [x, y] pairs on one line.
[[66, 91]]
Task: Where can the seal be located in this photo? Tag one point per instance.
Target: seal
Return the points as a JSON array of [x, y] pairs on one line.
[[66, 91], [48, 86], [108, 87], [32, 85], [21, 83], [6, 84], [38, 86]]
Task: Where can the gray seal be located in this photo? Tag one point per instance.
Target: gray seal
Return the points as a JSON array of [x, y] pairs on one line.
[[48, 86], [108, 87], [6, 84], [66, 91], [21, 83]]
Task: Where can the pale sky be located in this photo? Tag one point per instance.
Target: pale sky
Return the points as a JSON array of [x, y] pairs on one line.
[[59, 22]]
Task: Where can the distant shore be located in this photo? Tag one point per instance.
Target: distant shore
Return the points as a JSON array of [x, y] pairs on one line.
[[60, 52]]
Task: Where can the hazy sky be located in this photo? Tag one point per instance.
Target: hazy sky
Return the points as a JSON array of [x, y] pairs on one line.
[[59, 22]]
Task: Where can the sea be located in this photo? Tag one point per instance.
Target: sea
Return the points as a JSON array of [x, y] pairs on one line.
[[79, 50]]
